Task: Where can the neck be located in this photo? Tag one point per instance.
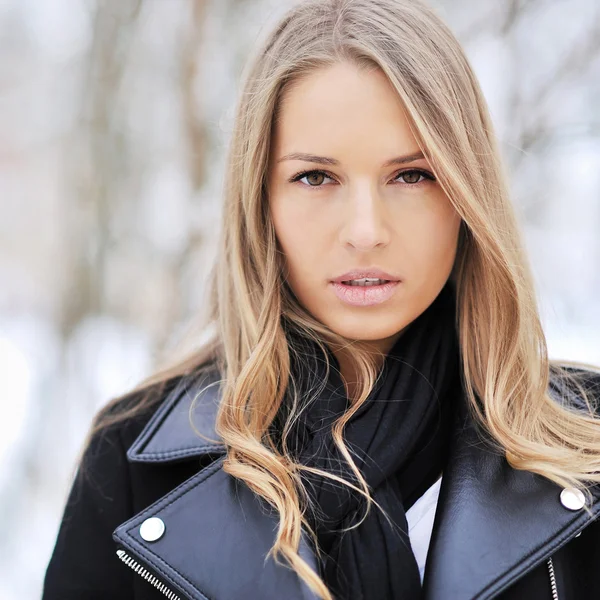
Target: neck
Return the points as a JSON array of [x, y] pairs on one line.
[[378, 349]]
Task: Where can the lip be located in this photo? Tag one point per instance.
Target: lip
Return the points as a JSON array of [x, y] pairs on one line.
[[373, 273], [356, 295]]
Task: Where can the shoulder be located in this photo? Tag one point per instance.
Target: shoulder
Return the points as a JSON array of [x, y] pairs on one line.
[[100, 496], [124, 417], [113, 428], [106, 491], [117, 425]]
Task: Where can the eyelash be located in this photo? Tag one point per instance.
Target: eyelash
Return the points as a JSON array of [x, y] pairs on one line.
[[428, 177]]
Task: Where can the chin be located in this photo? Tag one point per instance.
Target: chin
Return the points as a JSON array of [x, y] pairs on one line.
[[366, 329]]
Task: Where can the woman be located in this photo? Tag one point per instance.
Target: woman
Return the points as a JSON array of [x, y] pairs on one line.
[[376, 415]]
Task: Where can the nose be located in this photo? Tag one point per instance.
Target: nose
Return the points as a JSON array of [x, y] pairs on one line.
[[365, 224]]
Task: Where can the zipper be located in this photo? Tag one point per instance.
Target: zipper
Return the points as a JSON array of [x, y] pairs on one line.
[[157, 583], [552, 579], [149, 577]]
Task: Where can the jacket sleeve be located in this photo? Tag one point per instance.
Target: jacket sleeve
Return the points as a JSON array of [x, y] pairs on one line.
[[84, 564]]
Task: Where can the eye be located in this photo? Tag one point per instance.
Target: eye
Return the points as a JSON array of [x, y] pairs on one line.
[[411, 177], [414, 177], [310, 175]]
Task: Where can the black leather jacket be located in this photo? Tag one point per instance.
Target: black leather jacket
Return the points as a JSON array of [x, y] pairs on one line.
[[158, 499]]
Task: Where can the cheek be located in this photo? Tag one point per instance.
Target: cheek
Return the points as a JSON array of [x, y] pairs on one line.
[[298, 238], [288, 236], [432, 244]]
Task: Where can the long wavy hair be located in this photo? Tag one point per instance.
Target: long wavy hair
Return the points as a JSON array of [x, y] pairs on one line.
[[504, 361]]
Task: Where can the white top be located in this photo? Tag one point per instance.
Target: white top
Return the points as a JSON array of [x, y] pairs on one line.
[[420, 518]]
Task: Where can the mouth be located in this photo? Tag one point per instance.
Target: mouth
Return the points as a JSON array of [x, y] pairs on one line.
[[365, 282], [364, 293], [366, 276]]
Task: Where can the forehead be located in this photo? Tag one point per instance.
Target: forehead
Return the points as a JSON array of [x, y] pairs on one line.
[[340, 105]]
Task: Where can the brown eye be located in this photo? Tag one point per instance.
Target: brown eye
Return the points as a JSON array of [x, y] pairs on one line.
[[316, 183], [411, 176], [316, 174]]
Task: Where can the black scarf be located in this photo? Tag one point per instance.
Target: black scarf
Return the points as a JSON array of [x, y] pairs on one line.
[[398, 439]]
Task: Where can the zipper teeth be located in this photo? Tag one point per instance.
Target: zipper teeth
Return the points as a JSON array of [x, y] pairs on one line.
[[157, 583], [552, 579]]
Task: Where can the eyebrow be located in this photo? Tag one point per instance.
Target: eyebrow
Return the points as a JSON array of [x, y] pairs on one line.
[[324, 160]]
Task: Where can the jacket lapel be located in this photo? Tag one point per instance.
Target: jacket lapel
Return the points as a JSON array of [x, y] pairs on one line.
[[169, 435], [493, 523], [217, 533]]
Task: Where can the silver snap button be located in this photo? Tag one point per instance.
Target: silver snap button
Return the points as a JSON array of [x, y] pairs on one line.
[[572, 498], [152, 529]]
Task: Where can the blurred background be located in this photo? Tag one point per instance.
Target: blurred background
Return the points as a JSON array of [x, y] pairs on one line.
[[114, 119]]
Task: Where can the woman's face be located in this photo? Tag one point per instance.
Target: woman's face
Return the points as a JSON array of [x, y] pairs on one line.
[[356, 209]]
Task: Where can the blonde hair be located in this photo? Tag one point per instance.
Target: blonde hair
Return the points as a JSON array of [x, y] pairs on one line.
[[506, 369]]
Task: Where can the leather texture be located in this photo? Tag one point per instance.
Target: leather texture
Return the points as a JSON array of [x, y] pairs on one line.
[[494, 525], [241, 532], [169, 436]]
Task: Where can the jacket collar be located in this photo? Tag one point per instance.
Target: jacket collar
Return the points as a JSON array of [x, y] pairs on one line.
[[169, 436], [493, 523]]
